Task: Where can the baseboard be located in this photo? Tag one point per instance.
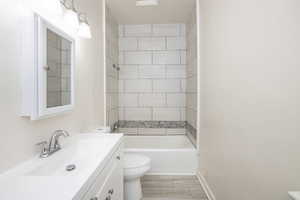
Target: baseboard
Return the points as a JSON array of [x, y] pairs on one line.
[[205, 187], [170, 174]]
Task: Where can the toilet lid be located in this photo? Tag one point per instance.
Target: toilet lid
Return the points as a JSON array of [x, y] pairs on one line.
[[135, 161]]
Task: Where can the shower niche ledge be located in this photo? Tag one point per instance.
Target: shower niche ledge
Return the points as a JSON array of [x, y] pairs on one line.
[[47, 69]]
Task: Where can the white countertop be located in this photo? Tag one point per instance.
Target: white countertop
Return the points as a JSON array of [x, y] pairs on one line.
[[295, 195], [39, 179]]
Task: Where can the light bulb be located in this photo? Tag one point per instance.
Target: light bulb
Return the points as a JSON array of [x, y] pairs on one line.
[[56, 7], [84, 30], [71, 18]]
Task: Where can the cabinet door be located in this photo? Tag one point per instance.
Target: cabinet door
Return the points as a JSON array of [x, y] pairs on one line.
[[113, 186], [116, 180]]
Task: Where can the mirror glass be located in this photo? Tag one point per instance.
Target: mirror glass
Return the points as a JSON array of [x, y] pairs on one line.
[[58, 70]]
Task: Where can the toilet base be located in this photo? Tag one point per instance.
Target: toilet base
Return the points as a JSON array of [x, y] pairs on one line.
[[133, 189]]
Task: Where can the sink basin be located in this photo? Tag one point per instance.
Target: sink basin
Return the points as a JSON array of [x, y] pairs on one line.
[[81, 151]]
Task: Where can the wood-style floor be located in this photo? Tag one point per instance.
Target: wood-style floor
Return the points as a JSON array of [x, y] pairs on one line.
[[172, 188]]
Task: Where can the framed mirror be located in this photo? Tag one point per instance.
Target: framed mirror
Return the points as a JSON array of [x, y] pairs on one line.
[[52, 92], [55, 66]]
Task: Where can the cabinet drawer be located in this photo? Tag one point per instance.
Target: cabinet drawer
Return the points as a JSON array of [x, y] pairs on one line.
[[109, 183]]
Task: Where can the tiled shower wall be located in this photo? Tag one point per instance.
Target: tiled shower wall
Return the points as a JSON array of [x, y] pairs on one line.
[[112, 57], [191, 80], [152, 79]]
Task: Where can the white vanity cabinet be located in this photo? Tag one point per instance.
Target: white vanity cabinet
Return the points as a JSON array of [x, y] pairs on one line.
[[98, 172], [109, 183]]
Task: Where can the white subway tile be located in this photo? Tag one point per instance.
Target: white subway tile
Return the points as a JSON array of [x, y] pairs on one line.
[[175, 131], [128, 131], [108, 99], [183, 114], [152, 131], [138, 86], [152, 71], [166, 114], [183, 85], [138, 65], [191, 100], [113, 116], [176, 43], [175, 71], [182, 30], [176, 100], [121, 114], [166, 57], [138, 30], [183, 57], [166, 29], [154, 43], [127, 44], [121, 58], [114, 100], [128, 100], [192, 117], [112, 84], [121, 86], [171, 85], [110, 71], [128, 72], [152, 99], [139, 114], [138, 58], [192, 84], [191, 68], [121, 30]]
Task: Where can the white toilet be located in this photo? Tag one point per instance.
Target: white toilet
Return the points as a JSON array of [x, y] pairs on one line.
[[135, 166]]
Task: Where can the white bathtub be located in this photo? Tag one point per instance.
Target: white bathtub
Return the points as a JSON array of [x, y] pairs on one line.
[[169, 154]]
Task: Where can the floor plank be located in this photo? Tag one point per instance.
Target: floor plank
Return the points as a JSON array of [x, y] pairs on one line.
[[172, 188]]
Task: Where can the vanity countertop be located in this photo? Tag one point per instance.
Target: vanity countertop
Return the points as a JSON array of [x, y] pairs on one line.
[[48, 179]]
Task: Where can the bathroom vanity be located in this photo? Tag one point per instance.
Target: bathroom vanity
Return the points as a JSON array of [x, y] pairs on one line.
[[96, 172]]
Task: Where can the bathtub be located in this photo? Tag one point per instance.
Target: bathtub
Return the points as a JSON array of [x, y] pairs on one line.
[[170, 155]]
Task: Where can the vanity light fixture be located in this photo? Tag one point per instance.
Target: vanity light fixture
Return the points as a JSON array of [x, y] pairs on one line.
[[146, 2], [70, 15], [75, 19], [56, 6], [84, 29]]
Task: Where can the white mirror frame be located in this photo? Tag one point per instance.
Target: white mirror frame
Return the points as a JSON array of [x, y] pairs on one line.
[[34, 75], [42, 27]]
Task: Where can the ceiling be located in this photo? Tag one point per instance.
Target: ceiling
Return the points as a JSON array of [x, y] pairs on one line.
[[167, 11]]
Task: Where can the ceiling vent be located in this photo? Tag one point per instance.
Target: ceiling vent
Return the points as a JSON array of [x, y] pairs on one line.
[[146, 2]]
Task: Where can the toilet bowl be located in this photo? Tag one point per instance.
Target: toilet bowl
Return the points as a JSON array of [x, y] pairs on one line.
[[135, 166]]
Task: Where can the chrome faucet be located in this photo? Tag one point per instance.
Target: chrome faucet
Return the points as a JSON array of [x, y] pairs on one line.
[[54, 145]]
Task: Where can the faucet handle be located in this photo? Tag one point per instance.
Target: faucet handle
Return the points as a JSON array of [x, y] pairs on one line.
[[43, 143], [45, 151]]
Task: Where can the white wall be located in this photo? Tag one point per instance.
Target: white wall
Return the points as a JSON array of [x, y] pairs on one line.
[[19, 135], [250, 111], [152, 73]]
